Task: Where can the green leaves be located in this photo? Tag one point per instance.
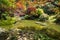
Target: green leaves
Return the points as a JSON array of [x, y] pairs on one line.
[[9, 21], [39, 11], [7, 3], [5, 9]]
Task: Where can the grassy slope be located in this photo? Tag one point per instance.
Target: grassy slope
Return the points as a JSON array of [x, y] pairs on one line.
[[54, 26], [31, 23]]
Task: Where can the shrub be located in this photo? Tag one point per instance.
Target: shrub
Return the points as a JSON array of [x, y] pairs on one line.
[[43, 17], [9, 21], [57, 19]]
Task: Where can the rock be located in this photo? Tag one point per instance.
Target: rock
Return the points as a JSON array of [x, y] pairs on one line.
[[3, 34], [2, 30]]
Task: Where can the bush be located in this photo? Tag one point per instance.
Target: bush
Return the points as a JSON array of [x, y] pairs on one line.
[[34, 13], [57, 21], [9, 21], [43, 17], [6, 7]]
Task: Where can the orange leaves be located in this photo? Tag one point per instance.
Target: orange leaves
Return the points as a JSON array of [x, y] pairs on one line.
[[20, 5], [32, 8]]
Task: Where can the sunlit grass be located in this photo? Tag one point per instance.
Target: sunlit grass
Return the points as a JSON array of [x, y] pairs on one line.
[[28, 24], [31, 24]]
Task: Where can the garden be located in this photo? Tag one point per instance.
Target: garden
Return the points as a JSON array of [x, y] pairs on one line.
[[29, 19]]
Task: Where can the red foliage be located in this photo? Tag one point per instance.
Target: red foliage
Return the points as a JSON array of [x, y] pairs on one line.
[[20, 5], [30, 9]]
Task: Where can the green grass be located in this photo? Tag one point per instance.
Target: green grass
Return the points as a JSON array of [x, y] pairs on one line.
[[31, 24], [54, 26], [23, 24], [28, 24]]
